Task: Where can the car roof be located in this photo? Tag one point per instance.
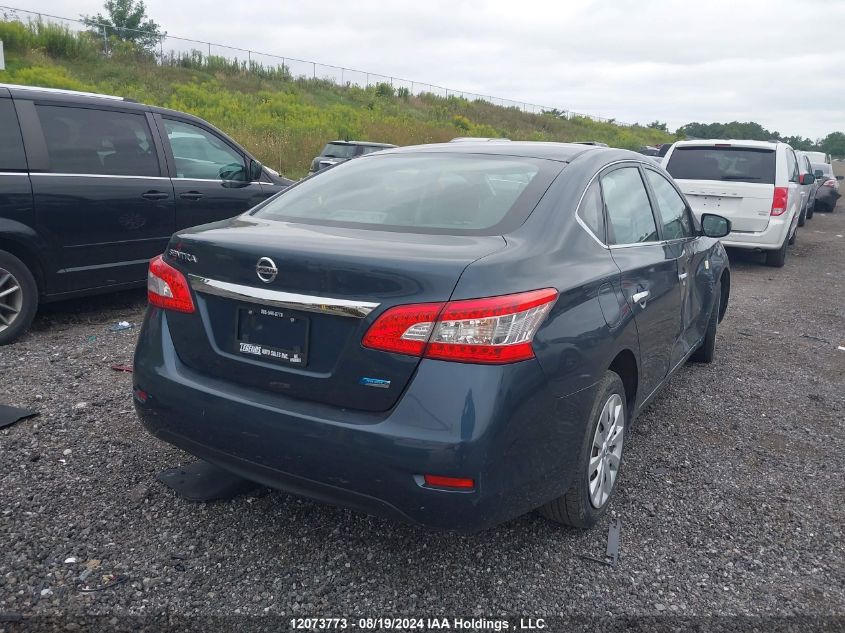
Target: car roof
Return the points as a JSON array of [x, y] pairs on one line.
[[564, 152], [365, 143], [732, 142]]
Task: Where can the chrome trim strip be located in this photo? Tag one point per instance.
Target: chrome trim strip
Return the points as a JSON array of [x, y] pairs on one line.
[[63, 175], [13, 173], [219, 180], [657, 243], [277, 298]]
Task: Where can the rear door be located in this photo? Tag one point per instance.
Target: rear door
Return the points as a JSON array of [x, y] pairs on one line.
[[209, 174], [15, 191], [649, 270], [100, 196], [735, 182], [679, 233]]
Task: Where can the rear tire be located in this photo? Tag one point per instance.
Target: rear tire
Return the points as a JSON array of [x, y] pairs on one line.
[[577, 507], [811, 208], [794, 237], [777, 258], [19, 299], [706, 352]]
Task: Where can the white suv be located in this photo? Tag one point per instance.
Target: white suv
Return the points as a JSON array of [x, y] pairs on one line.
[[755, 184]]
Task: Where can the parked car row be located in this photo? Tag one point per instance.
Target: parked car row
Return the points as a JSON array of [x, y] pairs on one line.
[[766, 189], [450, 334]]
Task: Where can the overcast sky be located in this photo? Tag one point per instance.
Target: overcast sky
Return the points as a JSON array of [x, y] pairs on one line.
[[778, 62]]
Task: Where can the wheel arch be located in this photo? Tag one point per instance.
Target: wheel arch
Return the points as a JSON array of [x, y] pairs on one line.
[[725, 285], [27, 253], [626, 367]]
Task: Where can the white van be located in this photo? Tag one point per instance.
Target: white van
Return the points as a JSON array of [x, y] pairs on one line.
[[755, 184], [818, 157]]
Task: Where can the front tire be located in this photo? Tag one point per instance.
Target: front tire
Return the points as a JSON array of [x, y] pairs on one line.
[[18, 297], [811, 208], [599, 459], [706, 352]]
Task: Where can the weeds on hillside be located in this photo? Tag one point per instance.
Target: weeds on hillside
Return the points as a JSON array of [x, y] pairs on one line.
[[283, 120]]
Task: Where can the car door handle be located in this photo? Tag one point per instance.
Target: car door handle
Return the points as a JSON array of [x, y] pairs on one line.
[[683, 277], [641, 297], [155, 195], [191, 195]]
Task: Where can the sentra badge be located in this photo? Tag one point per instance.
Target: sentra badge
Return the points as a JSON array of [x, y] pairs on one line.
[[185, 257]]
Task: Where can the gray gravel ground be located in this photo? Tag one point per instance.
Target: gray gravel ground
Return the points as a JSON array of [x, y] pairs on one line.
[[731, 500]]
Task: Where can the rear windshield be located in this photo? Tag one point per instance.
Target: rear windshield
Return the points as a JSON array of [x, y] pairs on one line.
[[826, 169], [738, 164], [471, 194], [338, 150]]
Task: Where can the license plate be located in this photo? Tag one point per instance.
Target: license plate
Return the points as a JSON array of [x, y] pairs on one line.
[[273, 335]]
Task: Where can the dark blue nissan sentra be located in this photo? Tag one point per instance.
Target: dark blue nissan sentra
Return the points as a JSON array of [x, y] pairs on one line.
[[453, 335]]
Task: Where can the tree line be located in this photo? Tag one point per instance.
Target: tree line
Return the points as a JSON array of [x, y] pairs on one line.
[[833, 143]]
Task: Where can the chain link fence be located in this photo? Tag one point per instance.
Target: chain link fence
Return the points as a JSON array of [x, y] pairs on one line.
[[179, 51]]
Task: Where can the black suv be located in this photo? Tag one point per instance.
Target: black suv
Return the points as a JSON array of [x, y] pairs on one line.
[[93, 186], [341, 151]]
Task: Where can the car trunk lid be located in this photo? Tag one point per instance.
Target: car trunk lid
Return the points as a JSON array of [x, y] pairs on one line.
[[747, 205], [298, 332]]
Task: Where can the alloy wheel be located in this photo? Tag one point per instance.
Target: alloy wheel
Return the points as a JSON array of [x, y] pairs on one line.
[[11, 299], [606, 453]]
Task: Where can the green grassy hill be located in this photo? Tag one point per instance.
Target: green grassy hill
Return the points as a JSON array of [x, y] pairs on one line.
[[282, 120]]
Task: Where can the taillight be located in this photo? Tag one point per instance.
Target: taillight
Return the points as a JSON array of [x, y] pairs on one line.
[[167, 288], [492, 330], [780, 200], [403, 329], [830, 182]]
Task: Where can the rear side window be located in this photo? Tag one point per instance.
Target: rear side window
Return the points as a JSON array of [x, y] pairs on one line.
[[424, 193], [739, 164], [339, 150], [791, 165], [629, 216], [85, 141], [673, 209], [12, 157], [591, 211]]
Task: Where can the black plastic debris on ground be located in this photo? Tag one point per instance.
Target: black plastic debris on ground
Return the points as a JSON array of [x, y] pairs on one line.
[[202, 481], [612, 551], [10, 415]]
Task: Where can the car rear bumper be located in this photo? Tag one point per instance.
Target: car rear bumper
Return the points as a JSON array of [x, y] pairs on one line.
[[771, 238], [498, 425], [827, 196]]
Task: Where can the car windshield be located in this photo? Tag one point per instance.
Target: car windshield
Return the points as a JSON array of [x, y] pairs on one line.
[[739, 164], [338, 150], [826, 169], [423, 193]]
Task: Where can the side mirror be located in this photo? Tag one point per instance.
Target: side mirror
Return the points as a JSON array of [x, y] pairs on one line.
[[806, 179], [255, 170], [840, 177], [713, 225], [818, 173]]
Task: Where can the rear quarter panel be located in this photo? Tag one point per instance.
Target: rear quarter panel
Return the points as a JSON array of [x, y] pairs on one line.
[[590, 322]]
